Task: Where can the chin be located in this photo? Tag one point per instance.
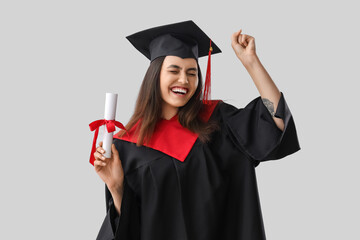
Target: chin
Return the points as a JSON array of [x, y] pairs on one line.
[[179, 104], [176, 101]]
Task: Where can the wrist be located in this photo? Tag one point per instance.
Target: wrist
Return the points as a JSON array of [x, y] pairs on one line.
[[250, 60], [116, 189]]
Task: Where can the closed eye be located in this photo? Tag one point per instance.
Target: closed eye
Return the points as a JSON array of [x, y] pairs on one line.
[[176, 72]]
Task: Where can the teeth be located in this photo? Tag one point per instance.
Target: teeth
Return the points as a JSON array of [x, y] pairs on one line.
[[181, 90]]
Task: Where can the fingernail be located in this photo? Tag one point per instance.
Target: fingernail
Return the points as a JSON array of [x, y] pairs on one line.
[[103, 158], [102, 151]]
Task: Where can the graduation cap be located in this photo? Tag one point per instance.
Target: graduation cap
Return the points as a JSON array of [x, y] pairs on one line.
[[183, 39]]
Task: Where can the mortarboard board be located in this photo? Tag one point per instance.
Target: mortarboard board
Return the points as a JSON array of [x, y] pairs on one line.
[[183, 39]]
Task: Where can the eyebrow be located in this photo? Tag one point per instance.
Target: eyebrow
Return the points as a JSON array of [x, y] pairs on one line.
[[176, 66]]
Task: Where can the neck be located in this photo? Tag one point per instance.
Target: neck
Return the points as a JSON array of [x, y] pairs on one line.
[[169, 112]]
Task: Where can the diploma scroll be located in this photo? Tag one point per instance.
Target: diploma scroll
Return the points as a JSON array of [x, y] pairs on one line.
[[110, 113]]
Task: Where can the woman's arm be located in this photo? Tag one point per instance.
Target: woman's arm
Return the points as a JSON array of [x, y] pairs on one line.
[[270, 94], [111, 172], [244, 47]]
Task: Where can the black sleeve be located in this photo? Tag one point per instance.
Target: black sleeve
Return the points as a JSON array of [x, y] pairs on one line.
[[254, 130], [110, 223], [125, 226]]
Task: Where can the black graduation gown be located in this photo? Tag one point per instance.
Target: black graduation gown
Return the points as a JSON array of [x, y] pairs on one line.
[[212, 194]]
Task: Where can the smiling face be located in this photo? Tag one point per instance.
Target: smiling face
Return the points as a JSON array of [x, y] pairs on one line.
[[178, 83]]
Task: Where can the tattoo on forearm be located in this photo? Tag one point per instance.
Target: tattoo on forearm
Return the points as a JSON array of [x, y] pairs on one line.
[[269, 105]]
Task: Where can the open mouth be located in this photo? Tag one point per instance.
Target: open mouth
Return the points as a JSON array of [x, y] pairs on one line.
[[179, 91]]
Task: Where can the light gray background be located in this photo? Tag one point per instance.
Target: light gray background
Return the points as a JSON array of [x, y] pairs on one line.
[[59, 58]]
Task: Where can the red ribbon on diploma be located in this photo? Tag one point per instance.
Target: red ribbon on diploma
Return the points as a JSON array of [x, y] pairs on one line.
[[95, 125]]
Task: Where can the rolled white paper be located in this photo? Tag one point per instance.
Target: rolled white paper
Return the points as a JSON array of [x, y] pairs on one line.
[[110, 113]]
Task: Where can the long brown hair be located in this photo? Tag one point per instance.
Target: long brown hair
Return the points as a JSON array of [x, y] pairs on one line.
[[148, 108]]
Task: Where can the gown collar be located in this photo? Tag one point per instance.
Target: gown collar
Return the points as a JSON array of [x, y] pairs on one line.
[[170, 137]]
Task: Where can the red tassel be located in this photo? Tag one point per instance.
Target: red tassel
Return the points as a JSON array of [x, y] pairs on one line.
[[207, 87]]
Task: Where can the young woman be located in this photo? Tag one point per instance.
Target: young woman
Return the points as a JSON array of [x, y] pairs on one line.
[[185, 166]]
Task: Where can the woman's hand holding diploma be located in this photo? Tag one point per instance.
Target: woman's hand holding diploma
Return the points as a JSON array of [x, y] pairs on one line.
[[111, 172]]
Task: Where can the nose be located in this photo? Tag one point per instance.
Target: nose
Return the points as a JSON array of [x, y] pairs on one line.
[[183, 78]]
